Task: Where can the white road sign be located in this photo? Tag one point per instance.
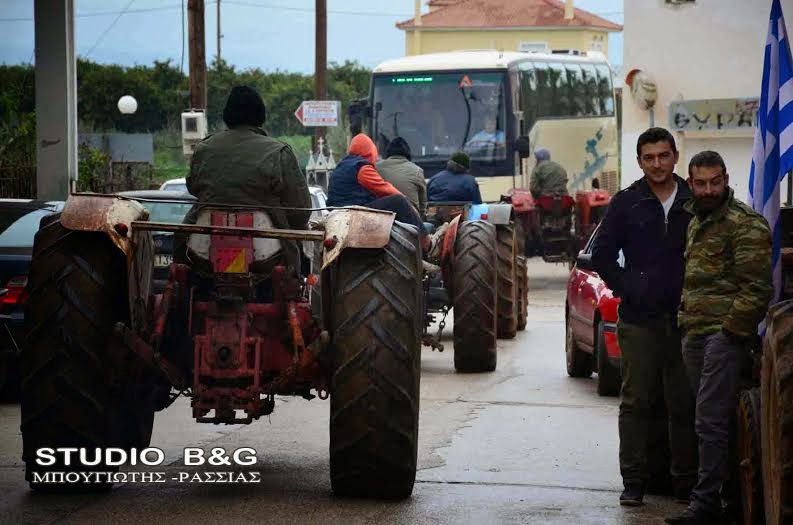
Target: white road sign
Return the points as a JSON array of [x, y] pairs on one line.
[[319, 113]]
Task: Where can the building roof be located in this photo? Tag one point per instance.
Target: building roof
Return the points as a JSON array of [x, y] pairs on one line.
[[491, 14]]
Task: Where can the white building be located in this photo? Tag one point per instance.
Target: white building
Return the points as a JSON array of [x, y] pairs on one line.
[[697, 50]]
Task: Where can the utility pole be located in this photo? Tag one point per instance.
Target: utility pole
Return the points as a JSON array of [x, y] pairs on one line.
[[321, 59], [198, 62], [219, 35]]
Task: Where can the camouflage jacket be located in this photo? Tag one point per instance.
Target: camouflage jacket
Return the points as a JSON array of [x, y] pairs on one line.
[[548, 177], [727, 283]]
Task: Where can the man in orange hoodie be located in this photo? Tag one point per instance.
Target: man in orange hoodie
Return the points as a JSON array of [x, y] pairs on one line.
[[355, 182]]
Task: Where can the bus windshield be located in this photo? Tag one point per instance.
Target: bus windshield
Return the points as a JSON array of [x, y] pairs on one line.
[[440, 113]]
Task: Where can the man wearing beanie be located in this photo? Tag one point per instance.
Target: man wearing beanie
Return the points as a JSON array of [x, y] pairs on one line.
[[242, 165], [407, 177], [548, 177], [454, 183]]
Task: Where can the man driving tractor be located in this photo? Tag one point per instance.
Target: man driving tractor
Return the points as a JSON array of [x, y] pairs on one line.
[[548, 177]]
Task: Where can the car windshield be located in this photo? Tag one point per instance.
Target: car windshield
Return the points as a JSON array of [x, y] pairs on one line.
[[440, 113], [176, 186], [173, 212], [19, 224]]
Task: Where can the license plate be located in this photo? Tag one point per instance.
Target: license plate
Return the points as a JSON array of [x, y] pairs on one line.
[[162, 260]]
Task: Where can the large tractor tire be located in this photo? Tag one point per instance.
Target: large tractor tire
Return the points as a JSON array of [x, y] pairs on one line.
[[375, 318], [609, 376], [523, 293], [70, 395], [507, 324], [475, 297], [750, 472], [776, 406]]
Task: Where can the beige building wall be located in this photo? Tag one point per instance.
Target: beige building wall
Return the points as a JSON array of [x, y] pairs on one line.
[[711, 49], [435, 41]]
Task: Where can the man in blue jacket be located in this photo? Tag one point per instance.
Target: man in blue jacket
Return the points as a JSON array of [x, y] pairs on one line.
[[454, 183], [648, 223]]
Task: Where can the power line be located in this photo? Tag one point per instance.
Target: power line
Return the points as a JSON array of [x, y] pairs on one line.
[[311, 9], [106, 31]]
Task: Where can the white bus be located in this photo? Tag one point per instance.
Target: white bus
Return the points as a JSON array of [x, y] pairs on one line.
[[483, 101]]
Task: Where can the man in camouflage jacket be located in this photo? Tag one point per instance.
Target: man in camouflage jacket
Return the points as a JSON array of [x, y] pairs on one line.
[[726, 291], [548, 176]]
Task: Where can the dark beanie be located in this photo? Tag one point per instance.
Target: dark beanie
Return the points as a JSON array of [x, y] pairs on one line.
[[398, 146], [461, 159], [244, 107]]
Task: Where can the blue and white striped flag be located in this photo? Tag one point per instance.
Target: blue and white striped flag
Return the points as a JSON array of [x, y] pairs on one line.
[[772, 156]]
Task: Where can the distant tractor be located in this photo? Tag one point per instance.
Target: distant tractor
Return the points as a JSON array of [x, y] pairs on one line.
[[483, 280], [232, 329]]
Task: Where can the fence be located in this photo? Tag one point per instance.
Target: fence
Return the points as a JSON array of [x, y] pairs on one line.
[[18, 182]]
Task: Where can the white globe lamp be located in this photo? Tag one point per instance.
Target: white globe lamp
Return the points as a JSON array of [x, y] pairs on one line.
[[127, 105]]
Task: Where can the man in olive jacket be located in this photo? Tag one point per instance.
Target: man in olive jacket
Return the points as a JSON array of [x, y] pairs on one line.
[[407, 177], [726, 291], [242, 165]]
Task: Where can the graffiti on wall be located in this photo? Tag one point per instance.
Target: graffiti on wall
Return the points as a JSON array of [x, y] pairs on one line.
[[713, 114]]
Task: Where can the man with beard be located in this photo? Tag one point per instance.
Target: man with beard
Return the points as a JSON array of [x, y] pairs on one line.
[[648, 223], [726, 291]]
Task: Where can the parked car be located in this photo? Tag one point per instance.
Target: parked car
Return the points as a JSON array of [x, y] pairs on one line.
[[164, 211], [179, 185], [591, 325], [19, 222]]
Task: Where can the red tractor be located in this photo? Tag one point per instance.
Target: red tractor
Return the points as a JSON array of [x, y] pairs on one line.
[[232, 329], [556, 227]]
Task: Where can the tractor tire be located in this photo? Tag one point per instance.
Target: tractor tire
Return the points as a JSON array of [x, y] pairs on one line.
[[579, 363], [776, 406], [475, 300], [750, 472], [70, 396], [507, 324], [376, 323], [523, 293], [609, 377]]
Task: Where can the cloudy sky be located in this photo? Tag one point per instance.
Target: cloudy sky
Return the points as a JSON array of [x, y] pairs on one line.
[[268, 34]]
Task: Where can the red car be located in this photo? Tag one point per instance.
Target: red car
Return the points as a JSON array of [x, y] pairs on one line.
[[591, 325]]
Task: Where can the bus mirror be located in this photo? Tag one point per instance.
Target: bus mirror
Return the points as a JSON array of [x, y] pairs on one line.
[[523, 147]]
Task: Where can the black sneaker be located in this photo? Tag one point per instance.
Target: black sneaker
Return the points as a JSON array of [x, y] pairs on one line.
[[690, 517], [632, 496]]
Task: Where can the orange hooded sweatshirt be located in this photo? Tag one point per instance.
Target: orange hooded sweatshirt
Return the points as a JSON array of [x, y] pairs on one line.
[[362, 146]]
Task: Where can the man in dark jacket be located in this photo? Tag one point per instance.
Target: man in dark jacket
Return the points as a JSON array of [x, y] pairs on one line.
[[648, 223], [407, 177], [242, 165], [454, 183]]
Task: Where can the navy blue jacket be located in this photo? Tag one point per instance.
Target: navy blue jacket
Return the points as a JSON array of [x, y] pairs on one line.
[[448, 186], [651, 283], [345, 190]]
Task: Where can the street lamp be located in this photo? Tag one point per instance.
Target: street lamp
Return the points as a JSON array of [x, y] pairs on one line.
[[127, 105]]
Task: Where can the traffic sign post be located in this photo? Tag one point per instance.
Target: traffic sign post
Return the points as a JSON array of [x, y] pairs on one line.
[[319, 113]]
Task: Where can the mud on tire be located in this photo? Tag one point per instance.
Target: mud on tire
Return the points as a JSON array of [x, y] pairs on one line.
[[507, 324], [776, 407], [523, 293], [750, 474], [76, 293], [475, 297], [376, 325]]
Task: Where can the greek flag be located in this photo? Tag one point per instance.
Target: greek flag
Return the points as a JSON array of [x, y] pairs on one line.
[[772, 155]]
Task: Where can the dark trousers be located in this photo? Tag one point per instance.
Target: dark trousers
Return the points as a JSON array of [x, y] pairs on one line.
[[404, 210], [713, 363], [652, 369]]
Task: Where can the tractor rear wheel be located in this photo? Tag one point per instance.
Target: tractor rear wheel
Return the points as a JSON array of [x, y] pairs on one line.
[[507, 324], [475, 297], [523, 293], [70, 393], [376, 324], [750, 472], [776, 406]]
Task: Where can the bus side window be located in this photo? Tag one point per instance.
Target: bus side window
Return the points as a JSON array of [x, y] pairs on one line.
[[529, 96], [590, 90], [544, 90], [605, 91], [575, 83], [560, 96]]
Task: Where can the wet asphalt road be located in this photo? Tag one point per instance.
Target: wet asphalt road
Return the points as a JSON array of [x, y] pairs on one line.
[[524, 444]]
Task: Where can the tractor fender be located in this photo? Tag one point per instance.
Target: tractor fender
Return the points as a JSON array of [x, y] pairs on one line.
[[102, 213], [447, 251], [355, 228], [492, 213]]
